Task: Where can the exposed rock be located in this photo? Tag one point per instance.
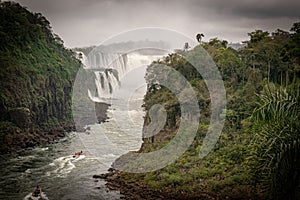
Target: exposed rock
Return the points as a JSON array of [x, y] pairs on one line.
[[101, 111], [20, 116], [28, 138], [98, 176]]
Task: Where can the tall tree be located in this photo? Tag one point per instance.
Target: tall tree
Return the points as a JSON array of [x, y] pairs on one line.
[[258, 35], [199, 37]]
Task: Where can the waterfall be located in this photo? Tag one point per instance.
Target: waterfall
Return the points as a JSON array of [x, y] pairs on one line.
[[99, 60], [113, 80], [82, 57], [108, 69]]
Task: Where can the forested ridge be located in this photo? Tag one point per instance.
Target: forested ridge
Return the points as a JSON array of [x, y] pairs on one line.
[[37, 74], [256, 156]]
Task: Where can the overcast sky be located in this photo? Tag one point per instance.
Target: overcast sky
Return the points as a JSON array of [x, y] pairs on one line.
[[89, 22]]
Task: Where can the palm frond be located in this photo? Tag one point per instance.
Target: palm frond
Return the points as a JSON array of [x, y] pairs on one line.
[[276, 142]]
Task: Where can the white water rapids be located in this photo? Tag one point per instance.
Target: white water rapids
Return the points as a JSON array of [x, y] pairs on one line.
[[53, 167]]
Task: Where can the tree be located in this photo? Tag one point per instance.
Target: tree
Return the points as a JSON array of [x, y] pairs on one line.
[[186, 46], [258, 35], [296, 27], [199, 37], [291, 54], [269, 54]]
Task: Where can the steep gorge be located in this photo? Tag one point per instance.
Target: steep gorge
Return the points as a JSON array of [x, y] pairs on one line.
[[37, 74]]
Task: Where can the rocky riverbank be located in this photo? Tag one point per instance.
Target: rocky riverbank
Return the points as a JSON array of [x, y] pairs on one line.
[[16, 139], [130, 190], [133, 190]]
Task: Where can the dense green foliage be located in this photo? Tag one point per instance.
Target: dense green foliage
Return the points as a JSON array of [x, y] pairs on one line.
[[36, 71], [257, 153], [277, 141]]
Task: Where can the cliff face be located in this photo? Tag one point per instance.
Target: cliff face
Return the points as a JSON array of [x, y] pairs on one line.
[[37, 75], [31, 105]]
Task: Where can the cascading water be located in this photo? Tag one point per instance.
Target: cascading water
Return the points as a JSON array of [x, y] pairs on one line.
[[108, 69], [81, 56], [122, 131], [99, 79]]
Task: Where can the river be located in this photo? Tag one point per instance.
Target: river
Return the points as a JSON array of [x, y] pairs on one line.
[[63, 177], [60, 175]]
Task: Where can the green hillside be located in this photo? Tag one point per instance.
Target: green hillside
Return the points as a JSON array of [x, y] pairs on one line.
[[37, 74], [256, 156]]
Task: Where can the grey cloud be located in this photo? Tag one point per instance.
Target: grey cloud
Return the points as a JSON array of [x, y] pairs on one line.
[[52, 7], [270, 9], [253, 8], [87, 22]]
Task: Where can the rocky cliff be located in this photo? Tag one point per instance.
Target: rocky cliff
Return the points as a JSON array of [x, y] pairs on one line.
[[37, 74]]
